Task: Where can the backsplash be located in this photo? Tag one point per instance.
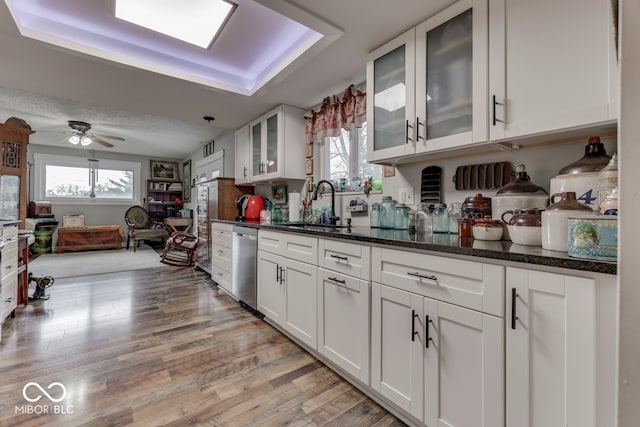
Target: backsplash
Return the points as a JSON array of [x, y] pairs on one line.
[[542, 164]]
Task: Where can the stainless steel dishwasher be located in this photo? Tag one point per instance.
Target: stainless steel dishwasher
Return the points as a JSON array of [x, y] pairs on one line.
[[243, 278]]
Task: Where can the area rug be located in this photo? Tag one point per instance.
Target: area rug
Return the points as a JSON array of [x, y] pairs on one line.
[[88, 263]]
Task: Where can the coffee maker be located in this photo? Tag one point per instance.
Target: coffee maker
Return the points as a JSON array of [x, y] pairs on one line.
[[241, 203]]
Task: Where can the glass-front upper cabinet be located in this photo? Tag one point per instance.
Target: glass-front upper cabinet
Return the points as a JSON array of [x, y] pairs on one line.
[[390, 100], [451, 77], [429, 85], [256, 149], [266, 145]]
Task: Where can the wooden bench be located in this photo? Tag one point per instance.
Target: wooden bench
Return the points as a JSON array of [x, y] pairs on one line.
[[89, 237]]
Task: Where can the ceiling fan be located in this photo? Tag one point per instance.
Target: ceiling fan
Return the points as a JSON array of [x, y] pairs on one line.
[[80, 135]]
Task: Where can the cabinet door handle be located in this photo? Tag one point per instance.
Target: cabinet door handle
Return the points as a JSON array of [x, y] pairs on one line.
[[426, 331], [343, 258], [407, 130], [495, 120], [413, 325], [514, 317], [418, 124], [244, 172], [335, 279], [422, 276], [278, 273], [282, 275]]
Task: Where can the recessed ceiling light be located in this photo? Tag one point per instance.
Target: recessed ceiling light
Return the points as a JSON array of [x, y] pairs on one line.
[[198, 22]]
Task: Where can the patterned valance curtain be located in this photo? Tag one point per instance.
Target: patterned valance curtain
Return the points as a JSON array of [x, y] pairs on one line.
[[336, 113]]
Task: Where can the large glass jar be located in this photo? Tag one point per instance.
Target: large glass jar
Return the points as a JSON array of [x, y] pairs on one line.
[[423, 218], [387, 212], [374, 216], [401, 219], [440, 219]]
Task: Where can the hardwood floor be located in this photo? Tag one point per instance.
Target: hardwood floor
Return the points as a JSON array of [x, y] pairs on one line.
[[163, 347]]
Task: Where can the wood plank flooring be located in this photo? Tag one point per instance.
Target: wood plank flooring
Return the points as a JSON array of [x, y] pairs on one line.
[[163, 347]]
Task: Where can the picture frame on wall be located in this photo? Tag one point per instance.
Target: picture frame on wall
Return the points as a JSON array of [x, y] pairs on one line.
[[186, 181], [309, 167], [164, 171], [279, 194], [308, 153]]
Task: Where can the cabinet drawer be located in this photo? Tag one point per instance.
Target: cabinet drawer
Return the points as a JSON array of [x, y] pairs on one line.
[[222, 253], [9, 261], [9, 296], [10, 233], [347, 258], [294, 246], [221, 237], [221, 230], [221, 273], [469, 284]]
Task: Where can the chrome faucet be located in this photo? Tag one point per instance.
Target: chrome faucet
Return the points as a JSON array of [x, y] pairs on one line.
[[333, 219]]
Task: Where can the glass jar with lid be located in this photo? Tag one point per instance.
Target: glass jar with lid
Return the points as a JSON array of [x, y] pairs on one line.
[[454, 211], [401, 217], [374, 216], [440, 218], [387, 212]]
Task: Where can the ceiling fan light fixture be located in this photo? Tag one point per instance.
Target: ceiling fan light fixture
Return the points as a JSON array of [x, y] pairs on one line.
[[74, 139], [85, 140], [199, 23]]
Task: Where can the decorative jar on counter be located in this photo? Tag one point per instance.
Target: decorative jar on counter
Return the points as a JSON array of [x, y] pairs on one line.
[[401, 218], [440, 218], [387, 212]]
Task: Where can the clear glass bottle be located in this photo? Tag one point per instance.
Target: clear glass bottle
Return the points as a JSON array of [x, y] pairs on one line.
[[387, 212], [454, 212], [423, 218], [412, 220], [374, 216], [440, 218], [401, 217]]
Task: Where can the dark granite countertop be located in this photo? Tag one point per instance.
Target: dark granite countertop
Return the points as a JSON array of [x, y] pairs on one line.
[[447, 243]]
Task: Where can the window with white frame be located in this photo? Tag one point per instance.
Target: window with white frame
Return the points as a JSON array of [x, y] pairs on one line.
[[67, 180], [345, 156]]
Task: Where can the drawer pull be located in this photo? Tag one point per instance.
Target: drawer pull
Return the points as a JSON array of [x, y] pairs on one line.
[[343, 258], [335, 279], [423, 276]]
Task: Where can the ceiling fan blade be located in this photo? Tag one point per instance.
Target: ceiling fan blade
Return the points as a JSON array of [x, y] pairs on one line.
[[94, 138], [117, 138]]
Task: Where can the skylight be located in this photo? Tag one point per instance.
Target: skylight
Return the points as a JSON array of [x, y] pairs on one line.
[[257, 44], [197, 22]]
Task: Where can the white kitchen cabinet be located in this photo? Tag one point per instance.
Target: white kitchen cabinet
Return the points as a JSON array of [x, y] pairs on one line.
[[449, 374], [242, 170], [343, 322], [548, 77], [9, 272], [429, 85], [551, 357], [271, 290], [276, 148], [397, 365], [221, 254], [287, 277], [464, 367]]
